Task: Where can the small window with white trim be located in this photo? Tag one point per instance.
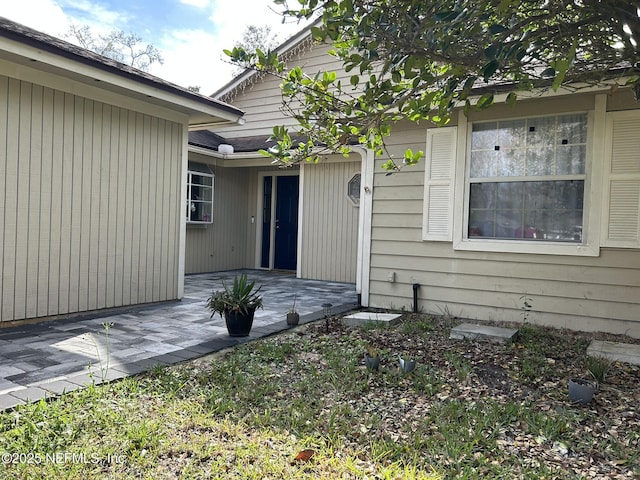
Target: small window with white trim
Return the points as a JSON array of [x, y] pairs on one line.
[[199, 194], [526, 179], [353, 189]]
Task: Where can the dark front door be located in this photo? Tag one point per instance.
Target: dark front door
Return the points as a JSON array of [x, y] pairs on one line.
[[286, 223]]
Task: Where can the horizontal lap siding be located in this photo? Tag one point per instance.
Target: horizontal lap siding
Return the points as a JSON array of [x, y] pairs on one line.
[[330, 223], [89, 203], [262, 101], [601, 293]]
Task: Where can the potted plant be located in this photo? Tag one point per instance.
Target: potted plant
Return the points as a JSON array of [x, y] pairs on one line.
[[238, 304], [293, 317], [407, 364], [582, 390], [371, 358]]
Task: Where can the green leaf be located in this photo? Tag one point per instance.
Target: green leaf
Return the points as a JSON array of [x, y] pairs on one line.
[[562, 66], [411, 158], [562, 71], [489, 69], [389, 166], [511, 99], [468, 84], [492, 51], [410, 63], [497, 28], [467, 108], [318, 34], [445, 16], [485, 101], [355, 79], [548, 72], [328, 77]]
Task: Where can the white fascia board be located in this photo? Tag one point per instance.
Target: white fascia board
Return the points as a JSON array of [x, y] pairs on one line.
[[548, 92], [240, 159], [80, 72]]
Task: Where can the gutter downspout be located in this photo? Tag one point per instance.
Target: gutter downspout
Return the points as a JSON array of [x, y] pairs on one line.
[[363, 267]]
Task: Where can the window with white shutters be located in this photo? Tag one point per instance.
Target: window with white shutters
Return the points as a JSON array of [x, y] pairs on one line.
[[439, 183], [621, 200]]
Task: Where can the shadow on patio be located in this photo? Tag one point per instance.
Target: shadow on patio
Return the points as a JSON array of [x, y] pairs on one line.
[[45, 359]]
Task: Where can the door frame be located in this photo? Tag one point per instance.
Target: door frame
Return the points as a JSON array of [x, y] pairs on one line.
[[272, 226]]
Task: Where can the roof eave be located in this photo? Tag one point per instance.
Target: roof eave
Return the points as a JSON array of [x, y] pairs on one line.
[[73, 62], [282, 49]]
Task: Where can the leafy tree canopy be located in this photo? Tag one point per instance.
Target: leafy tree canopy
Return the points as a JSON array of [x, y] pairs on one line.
[[122, 47], [255, 38], [419, 59]]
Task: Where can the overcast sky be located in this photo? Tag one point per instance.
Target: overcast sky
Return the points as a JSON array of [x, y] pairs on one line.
[[190, 33]]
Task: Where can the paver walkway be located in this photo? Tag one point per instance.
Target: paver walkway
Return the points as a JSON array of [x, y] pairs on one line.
[[45, 359]]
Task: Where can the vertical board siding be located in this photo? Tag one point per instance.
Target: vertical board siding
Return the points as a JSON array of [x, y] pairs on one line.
[[4, 93], [89, 204], [330, 223], [223, 244], [11, 200]]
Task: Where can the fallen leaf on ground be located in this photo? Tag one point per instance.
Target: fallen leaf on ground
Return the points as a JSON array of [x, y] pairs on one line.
[[303, 456]]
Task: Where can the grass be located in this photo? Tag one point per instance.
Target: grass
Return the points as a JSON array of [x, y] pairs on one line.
[[468, 410], [598, 367]]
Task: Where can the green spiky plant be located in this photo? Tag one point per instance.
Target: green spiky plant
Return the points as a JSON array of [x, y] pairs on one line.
[[242, 297]]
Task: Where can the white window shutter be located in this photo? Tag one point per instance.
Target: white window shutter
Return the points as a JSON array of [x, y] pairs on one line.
[[622, 182], [437, 220]]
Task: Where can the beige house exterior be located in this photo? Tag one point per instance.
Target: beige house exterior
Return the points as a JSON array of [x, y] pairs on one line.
[[115, 184], [93, 163], [422, 232], [570, 247], [244, 228]]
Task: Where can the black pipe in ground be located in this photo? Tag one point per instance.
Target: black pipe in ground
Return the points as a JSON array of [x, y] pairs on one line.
[[416, 286]]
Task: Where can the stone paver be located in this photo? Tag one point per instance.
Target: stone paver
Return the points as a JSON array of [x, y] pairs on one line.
[[46, 359], [360, 319], [470, 331], [619, 352]]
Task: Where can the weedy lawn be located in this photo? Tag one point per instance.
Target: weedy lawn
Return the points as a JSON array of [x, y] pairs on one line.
[[302, 404]]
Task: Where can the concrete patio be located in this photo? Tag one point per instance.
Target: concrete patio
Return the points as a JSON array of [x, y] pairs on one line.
[[46, 359]]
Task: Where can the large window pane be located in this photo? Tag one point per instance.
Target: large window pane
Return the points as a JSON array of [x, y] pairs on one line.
[[511, 134], [518, 153], [483, 163], [510, 195], [572, 129], [510, 163], [539, 195], [483, 195], [484, 136], [570, 195], [527, 210], [541, 131], [481, 223], [571, 159], [540, 161]]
